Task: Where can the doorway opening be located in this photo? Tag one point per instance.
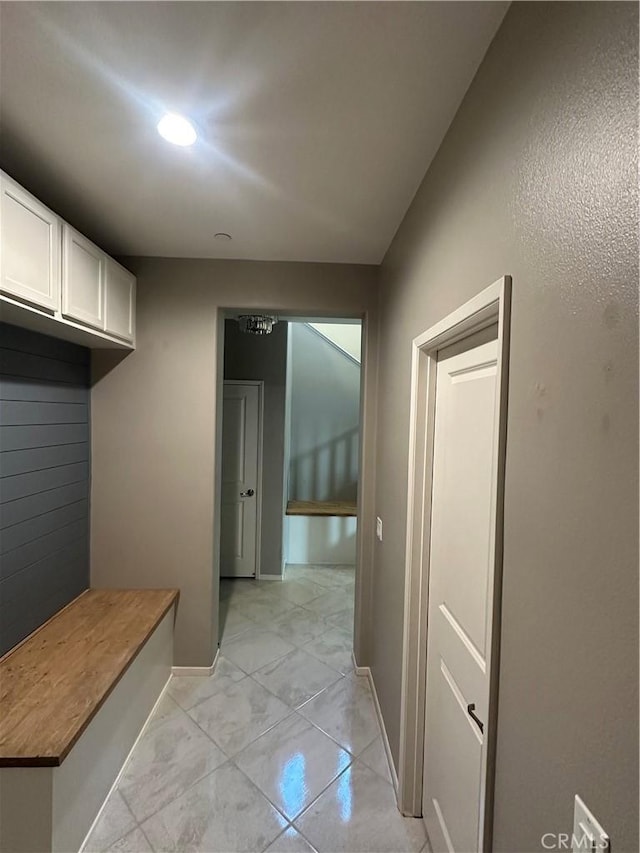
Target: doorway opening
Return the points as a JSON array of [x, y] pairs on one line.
[[290, 458]]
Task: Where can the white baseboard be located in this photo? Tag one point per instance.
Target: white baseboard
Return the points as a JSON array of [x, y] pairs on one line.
[[359, 670], [203, 671], [270, 577], [385, 739], [126, 761], [366, 672]]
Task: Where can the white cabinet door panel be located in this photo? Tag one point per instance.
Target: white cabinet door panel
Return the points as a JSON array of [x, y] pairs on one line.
[[83, 279], [120, 301], [29, 248]]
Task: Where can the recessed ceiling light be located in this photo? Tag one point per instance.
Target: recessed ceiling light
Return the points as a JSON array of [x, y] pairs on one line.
[[221, 235], [177, 129]]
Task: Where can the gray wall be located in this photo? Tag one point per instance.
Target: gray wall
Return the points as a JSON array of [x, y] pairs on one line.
[[255, 357], [325, 417], [154, 510], [44, 485], [537, 178]]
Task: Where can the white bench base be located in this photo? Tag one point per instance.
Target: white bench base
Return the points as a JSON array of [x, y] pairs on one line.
[[53, 809], [321, 539]]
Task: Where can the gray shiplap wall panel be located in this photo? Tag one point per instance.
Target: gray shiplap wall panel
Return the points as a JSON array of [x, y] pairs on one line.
[[27, 531], [33, 390], [21, 413], [13, 632], [15, 363], [35, 505], [37, 458], [37, 612], [22, 485], [44, 478], [23, 437], [30, 553], [15, 338], [10, 634], [50, 574]]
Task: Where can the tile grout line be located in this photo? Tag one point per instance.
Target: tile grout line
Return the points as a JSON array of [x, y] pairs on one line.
[[296, 644], [230, 760], [291, 821]]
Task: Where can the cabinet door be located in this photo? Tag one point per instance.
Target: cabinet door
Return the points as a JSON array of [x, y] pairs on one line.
[[29, 248], [83, 279], [120, 302]]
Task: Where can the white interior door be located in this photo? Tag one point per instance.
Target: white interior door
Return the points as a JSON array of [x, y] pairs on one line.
[[461, 579], [239, 514]]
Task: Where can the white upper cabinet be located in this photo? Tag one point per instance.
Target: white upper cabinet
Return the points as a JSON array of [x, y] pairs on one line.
[[120, 301], [83, 279], [55, 281], [29, 248]]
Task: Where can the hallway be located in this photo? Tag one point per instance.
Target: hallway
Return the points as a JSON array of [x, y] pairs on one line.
[[280, 750]]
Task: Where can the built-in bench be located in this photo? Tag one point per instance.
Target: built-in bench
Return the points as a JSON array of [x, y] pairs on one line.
[[321, 532], [74, 697], [322, 508]]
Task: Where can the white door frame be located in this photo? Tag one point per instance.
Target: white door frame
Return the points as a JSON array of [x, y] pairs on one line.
[[492, 305], [260, 386], [366, 485]]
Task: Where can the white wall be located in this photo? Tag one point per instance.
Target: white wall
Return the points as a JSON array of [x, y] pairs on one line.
[[321, 539], [347, 336], [325, 419]]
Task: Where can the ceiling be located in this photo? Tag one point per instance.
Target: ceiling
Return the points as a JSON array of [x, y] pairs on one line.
[[316, 120]]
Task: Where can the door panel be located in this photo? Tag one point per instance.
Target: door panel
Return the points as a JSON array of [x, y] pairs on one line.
[[238, 518], [456, 750], [460, 596]]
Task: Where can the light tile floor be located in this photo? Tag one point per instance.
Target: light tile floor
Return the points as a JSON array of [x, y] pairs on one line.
[[279, 750]]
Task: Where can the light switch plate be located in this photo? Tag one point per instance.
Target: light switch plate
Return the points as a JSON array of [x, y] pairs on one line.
[[588, 835], [379, 528]]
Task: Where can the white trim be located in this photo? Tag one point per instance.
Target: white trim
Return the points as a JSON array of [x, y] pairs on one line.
[[479, 312], [365, 672], [271, 577], [366, 479], [260, 385], [287, 449], [359, 670], [203, 671], [126, 761], [383, 732], [490, 306]]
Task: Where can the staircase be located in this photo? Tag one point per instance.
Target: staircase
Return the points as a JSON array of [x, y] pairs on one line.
[[345, 337]]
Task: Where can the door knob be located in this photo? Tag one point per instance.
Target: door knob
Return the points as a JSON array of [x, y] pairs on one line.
[[248, 494], [470, 709]]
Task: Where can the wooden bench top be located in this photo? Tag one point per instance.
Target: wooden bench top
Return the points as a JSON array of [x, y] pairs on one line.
[[339, 508], [54, 682]]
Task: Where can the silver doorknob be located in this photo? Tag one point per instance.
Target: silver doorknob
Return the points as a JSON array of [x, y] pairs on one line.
[[248, 494]]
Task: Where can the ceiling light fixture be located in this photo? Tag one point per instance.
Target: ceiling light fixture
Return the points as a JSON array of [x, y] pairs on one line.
[[177, 129], [257, 324], [222, 236]]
